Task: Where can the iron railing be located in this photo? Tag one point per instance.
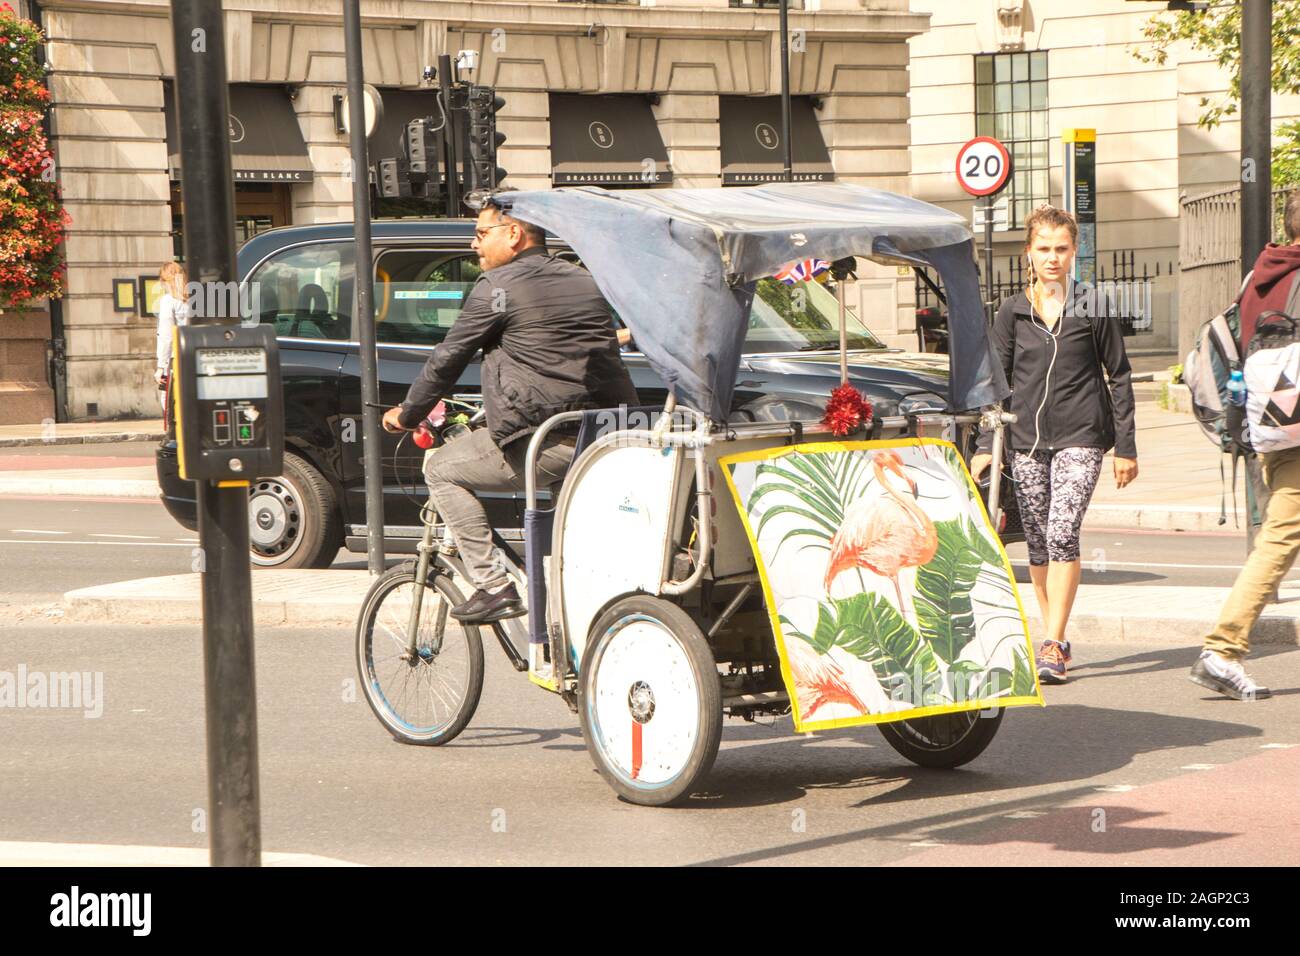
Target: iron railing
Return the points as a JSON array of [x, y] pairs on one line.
[[1209, 255], [1124, 292]]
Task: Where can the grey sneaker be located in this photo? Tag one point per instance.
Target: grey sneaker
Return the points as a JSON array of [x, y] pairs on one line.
[[1228, 677]]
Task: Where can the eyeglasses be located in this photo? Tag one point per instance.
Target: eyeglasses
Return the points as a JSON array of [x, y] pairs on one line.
[[482, 231]]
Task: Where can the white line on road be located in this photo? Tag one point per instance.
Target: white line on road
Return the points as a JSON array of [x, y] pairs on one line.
[[120, 544], [1144, 564], [1199, 766], [138, 537], [30, 531]]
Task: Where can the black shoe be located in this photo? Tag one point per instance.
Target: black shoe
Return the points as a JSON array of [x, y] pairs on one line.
[[484, 607]]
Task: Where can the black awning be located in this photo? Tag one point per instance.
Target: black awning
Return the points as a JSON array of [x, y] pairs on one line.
[[266, 144], [606, 140], [751, 141]]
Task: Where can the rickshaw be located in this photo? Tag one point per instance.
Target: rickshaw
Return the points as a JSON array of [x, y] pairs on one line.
[[651, 609]]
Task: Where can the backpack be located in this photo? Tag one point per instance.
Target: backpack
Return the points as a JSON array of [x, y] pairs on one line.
[[1207, 369], [1272, 373]]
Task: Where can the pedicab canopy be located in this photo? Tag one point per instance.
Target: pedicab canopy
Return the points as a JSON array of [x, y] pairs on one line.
[[679, 266]]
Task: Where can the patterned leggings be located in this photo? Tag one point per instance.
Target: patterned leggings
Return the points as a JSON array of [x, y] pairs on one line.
[[1053, 489]]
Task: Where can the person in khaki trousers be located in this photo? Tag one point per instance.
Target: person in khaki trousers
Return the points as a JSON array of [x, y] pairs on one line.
[[1278, 541]]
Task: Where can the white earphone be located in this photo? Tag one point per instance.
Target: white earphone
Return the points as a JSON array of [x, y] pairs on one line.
[[1053, 335]]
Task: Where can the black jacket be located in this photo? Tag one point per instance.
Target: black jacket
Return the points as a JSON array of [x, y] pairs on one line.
[[1078, 411], [548, 346]]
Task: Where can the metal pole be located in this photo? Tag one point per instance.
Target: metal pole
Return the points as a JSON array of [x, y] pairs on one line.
[[230, 697], [989, 305], [844, 332], [449, 137], [372, 459], [995, 473], [1256, 126], [787, 152]]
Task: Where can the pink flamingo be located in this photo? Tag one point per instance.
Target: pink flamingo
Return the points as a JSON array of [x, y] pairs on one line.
[[884, 535], [818, 680]]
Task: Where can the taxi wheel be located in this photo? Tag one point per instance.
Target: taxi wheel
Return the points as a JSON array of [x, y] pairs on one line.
[[943, 741], [293, 519], [649, 701]]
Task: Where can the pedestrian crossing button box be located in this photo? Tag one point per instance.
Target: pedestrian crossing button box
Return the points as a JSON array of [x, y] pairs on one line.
[[230, 409]]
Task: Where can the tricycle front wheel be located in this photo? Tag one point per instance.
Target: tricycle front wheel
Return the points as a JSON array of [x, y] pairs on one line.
[[649, 702], [945, 740], [423, 691]]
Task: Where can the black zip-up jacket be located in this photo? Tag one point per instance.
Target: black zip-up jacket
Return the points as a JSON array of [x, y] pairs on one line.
[[548, 344], [1078, 413]]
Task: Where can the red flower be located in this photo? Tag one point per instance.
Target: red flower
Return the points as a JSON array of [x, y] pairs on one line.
[[847, 411]]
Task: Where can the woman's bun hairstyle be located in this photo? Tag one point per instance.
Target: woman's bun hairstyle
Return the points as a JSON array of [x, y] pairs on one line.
[[1049, 217]]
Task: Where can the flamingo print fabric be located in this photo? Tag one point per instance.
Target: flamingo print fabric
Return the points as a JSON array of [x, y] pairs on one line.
[[889, 594]]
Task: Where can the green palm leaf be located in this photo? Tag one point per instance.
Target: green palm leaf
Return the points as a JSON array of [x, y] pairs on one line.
[[871, 629], [1022, 673], [943, 605], [790, 482], [818, 519]]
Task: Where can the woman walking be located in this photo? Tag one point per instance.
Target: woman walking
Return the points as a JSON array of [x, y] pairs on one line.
[[173, 310], [1058, 356]]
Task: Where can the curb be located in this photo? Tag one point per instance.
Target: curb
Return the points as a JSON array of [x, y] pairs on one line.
[[1085, 627], [88, 610], [1091, 628], [80, 487], [96, 439], [1155, 518]]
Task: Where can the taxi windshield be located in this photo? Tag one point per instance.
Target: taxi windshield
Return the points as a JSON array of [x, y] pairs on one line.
[[803, 317]]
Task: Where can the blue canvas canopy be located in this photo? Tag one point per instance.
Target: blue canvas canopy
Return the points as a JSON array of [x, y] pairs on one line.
[[679, 266]]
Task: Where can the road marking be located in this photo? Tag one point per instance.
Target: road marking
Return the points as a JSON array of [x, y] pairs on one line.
[[1148, 564], [1026, 814], [1199, 766], [120, 544], [1276, 746], [925, 843], [1116, 788], [30, 531], [138, 537]]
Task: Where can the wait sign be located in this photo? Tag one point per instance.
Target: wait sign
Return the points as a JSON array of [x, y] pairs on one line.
[[983, 166]]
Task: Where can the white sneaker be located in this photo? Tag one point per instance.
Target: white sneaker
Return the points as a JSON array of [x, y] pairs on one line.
[[1228, 677]]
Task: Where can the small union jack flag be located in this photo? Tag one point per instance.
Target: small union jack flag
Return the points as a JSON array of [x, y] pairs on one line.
[[801, 271]]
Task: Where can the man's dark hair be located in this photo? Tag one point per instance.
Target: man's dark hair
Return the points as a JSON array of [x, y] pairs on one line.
[[536, 234], [1291, 217]]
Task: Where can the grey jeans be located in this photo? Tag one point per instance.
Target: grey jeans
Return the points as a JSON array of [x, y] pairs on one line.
[[473, 463]]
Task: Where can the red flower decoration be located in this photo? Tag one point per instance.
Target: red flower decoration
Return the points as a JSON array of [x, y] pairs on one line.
[[847, 411]]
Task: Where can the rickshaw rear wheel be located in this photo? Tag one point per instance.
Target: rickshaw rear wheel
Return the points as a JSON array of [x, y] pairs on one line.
[[945, 740], [649, 701]]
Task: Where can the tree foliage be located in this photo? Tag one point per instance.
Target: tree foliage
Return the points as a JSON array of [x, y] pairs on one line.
[[1216, 31]]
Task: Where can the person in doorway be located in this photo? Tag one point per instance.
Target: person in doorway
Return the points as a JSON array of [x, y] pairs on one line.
[[173, 310], [1219, 666], [1058, 356], [549, 346]]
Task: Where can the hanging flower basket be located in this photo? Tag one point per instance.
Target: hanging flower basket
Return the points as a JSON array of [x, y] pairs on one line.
[[32, 218]]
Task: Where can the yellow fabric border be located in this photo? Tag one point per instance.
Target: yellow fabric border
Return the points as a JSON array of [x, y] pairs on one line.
[[801, 726]]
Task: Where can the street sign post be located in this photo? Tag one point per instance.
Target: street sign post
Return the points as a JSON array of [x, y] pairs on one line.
[[1080, 175], [983, 168], [207, 189]]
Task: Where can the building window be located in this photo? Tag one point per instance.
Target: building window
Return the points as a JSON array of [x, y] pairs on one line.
[[1011, 105]]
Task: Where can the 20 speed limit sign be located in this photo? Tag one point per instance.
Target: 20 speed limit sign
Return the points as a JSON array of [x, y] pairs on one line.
[[983, 166]]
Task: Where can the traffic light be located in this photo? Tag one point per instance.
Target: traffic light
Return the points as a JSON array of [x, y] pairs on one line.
[[394, 179], [421, 155], [484, 140]]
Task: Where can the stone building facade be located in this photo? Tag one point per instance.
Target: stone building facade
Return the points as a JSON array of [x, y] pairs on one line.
[[1151, 154], [112, 60]]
